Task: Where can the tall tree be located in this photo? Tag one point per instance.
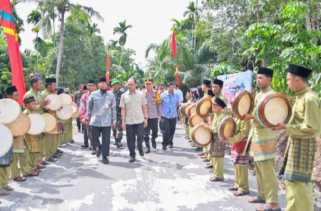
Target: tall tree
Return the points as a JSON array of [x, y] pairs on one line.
[[121, 30]]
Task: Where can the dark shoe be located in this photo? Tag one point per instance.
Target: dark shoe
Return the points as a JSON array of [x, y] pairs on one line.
[[210, 166], [20, 179], [105, 160], [84, 146], [8, 188], [93, 153], [39, 166], [233, 189], [164, 148], [154, 145], [44, 163], [171, 146], [72, 141], [141, 153], [147, 150], [98, 152], [51, 160], [60, 151], [216, 179], [257, 200], [118, 145], [241, 193], [132, 160]]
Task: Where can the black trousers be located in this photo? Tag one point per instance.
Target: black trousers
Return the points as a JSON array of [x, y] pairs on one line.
[[79, 125], [169, 127], [135, 133], [104, 146], [87, 135], [118, 132], [152, 125]]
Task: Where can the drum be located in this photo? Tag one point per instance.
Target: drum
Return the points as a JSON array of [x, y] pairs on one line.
[[202, 134], [50, 122], [243, 104], [227, 128], [65, 99], [184, 107], [75, 110], [54, 102], [191, 109], [275, 108], [6, 140], [204, 106], [65, 112], [195, 119], [37, 125], [20, 126], [9, 111]]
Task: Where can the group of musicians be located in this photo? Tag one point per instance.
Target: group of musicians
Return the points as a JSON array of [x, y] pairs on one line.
[[303, 129], [31, 153]]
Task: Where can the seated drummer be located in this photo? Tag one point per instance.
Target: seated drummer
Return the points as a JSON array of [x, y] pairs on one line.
[[33, 141], [240, 160], [217, 148]]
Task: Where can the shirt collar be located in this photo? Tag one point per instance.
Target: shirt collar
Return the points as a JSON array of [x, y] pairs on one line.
[[303, 91]]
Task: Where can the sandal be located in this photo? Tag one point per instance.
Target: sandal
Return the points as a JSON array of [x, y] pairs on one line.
[[241, 193], [257, 200], [216, 179], [233, 189], [20, 179], [265, 208]]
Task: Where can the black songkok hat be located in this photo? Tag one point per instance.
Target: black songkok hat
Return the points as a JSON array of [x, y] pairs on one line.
[[220, 102], [103, 79], [265, 71], [10, 90], [207, 82], [50, 80], [91, 82], [299, 71], [218, 82], [29, 99]]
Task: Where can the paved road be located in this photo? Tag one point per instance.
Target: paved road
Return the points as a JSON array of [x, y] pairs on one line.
[[175, 180]]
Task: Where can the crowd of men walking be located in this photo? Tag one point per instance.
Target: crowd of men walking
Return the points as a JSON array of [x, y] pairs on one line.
[[106, 111]]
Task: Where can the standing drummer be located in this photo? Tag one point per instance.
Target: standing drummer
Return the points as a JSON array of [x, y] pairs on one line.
[[217, 148], [35, 92], [51, 141], [303, 129], [240, 160], [263, 147], [33, 142], [19, 165]]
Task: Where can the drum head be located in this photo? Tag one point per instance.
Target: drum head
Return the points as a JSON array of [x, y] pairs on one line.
[[50, 122], [20, 126], [38, 124], [227, 128], [6, 140], [243, 104], [274, 109], [9, 111], [202, 134], [75, 112], [195, 119], [204, 106], [65, 99], [65, 112], [191, 109], [54, 102]]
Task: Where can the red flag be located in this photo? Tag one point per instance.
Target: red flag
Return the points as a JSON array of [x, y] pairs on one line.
[[174, 52], [177, 76], [7, 21], [108, 65]]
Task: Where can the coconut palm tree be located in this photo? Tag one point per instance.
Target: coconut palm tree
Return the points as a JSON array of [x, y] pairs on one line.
[[52, 9]]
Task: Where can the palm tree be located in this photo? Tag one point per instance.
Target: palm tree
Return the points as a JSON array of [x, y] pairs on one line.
[[52, 9], [121, 30]]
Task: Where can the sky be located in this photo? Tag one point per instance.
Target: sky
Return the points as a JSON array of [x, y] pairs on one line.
[[151, 20]]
